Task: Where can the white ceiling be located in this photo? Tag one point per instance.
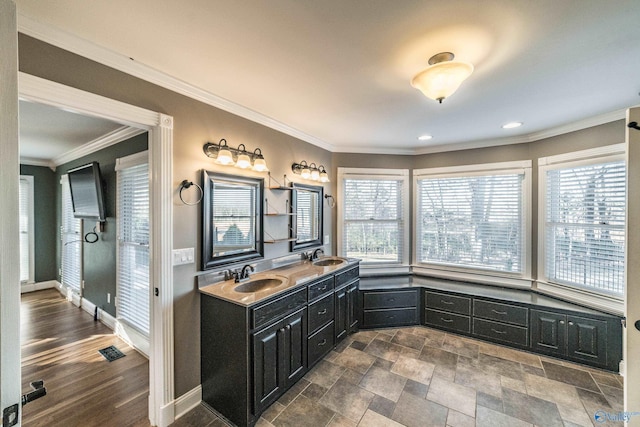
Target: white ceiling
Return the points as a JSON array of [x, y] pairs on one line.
[[338, 71], [47, 132]]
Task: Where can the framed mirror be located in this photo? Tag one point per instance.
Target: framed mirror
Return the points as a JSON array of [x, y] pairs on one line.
[[306, 224], [231, 219]]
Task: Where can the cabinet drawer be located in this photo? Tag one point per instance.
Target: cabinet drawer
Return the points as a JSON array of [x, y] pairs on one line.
[[390, 317], [275, 309], [395, 299], [347, 276], [319, 288], [445, 302], [319, 344], [501, 312], [452, 322], [511, 334], [320, 312]]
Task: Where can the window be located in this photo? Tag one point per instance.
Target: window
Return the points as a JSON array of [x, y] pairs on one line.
[[473, 217], [373, 215], [583, 201], [133, 241], [26, 229], [71, 238]]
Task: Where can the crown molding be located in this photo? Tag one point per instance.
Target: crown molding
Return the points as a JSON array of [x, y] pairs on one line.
[[90, 50], [32, 161], [97, 144]]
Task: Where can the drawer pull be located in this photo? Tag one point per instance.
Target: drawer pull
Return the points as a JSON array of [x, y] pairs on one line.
[[446, 320], [498, 332], [324, 288], [501, 313], [391, 299], [391, 316], [323, 342], [446, 302], [323, 311]]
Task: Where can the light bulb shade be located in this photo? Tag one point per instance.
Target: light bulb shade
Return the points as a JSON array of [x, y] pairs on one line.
[[442, 79], [324, 177], [243, 162], [260, 165], [224, 157], [315, 174], [305, 173]]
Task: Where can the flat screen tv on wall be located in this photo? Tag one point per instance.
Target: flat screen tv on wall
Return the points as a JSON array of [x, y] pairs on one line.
[[87, 196]]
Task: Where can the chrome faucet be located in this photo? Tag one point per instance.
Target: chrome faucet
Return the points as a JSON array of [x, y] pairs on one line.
[[243, 274], [314, 255]]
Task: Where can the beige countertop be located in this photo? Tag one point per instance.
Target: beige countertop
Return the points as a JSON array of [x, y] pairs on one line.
[[291, 276]]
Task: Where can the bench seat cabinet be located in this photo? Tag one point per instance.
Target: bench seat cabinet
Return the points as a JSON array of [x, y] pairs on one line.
[[583, 340], [389, 308]]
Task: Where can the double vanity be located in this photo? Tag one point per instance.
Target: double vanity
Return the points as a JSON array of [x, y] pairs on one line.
[[261, 334]]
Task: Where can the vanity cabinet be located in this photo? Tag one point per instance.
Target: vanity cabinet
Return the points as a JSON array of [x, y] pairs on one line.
[[346, 317], [388, 308], [252, 354], [279, 358]]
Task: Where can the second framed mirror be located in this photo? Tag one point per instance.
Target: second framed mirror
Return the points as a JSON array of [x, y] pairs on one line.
[[306, 224]]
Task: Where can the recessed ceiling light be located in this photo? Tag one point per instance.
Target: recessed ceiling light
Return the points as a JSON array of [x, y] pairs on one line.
[[424, 137], [512, 125]]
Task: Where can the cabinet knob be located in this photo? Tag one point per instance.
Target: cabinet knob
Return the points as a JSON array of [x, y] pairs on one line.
[[562, 322], [570, 323]]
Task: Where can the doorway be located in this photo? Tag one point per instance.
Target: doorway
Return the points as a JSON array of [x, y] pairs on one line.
[[160, 128]]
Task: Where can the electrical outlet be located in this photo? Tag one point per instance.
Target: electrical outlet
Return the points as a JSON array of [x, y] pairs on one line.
[[108, 298], [327, 239]]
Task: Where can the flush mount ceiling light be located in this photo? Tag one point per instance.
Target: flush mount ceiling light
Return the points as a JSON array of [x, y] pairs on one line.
[[443, 77], [512, 125]]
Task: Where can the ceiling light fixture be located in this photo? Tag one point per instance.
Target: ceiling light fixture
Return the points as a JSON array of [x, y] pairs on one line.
[[443, 77], [512, 125], [424, 137], [240, 157]]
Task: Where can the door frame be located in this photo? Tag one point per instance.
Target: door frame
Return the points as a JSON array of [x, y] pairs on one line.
[[160, 128]]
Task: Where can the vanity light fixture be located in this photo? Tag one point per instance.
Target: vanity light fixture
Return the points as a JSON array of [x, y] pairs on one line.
[[424, 137], [443, 76], [310, 171], [240, 157]]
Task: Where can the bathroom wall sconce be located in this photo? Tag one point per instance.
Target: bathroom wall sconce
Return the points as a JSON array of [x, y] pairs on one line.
[[310, 171], [238, 157]]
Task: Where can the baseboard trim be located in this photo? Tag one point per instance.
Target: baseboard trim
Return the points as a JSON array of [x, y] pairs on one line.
[[32, 287], [187, 401], [103, 316]]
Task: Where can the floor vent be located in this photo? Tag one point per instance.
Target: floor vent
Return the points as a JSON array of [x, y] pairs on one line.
[[111, 353]]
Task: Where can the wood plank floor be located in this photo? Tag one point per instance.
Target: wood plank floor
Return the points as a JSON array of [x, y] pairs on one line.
[[60, 344]]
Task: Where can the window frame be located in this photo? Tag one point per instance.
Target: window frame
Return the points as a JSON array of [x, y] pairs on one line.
[[76, 294], [402, 267], [520, 279], [605, 154], [30, 229]]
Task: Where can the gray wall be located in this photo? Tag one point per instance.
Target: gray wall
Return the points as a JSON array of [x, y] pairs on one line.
[[44, 209], [99, 258], [196, 123]]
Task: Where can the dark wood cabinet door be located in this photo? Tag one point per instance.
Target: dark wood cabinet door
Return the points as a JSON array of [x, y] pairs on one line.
[[352, 308], [268, 375], [587, 340], [295, 346], [549, 332], [341, 314]]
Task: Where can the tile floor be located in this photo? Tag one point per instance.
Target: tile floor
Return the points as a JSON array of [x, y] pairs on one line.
[[417, 376]]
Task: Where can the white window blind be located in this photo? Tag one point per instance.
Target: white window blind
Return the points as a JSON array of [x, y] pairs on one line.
[[374, 211], [71, 237], [26, 229], [133, 289], [472, 220], [584, 227]]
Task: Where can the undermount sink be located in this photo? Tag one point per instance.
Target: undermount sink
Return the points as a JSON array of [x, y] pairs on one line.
[[328, 262], [258, 285]]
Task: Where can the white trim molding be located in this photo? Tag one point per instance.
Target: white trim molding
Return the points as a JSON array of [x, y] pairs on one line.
[[32, 287], [160, 128], [188, 401]]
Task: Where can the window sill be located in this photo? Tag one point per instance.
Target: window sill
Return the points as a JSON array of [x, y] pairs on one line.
[[483, 277], [599, 302]]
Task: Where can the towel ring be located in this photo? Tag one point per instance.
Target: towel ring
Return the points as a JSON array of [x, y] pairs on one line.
[[186, 184]]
